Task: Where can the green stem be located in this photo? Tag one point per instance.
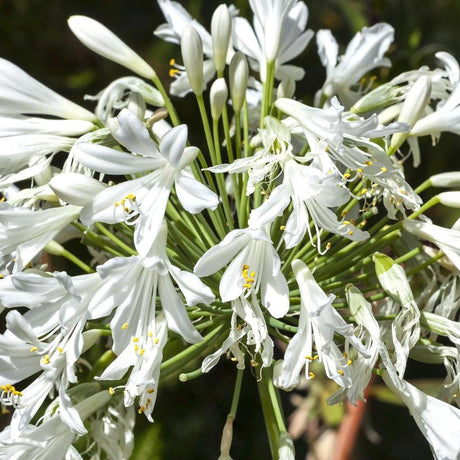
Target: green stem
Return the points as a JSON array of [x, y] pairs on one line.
[[168, 104], [429, 204], [267, 92], [236, 394], [116, 240], [75, 260]]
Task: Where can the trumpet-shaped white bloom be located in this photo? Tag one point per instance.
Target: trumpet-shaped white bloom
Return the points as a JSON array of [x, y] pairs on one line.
[[52, 438], [437, 420], [255, 266], [144, 199], [318, 323], [364, 52], [279, 35], [446, 117], [27, 232], [312, 193], [48, 338], [102, 41]]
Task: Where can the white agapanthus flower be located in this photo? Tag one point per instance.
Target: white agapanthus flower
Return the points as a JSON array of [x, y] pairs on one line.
[[278, 35], [437, 420], [27, 232], [49, 338], [253, 266], [364, 53], [143, 200], [318, 323]]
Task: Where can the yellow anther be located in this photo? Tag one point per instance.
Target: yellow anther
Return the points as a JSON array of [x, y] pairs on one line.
[[349, 362], [233, 359], [141, 409], [150, 334], [2, 199], [173, 72], [310, 358], [282, 227], [383, 169], [363, 191], [311, 375], [245, 267], [172, 61], [253, 363], [363, 223], [130, 196], [111, 391], [125, 326], [350, 232], [369, 163], [329, 245], [247, 285], [126, 209], [148, 401], [46, 359], [340, 371], [32, 349], [136, 347], [135, 339], [156, 341], [360, 170], [345, 354], [116, 204], [151, 390], [346, 175], [253, 274], [123, 201], [346, 222], [315, 357], [141, 351], [60, 350]]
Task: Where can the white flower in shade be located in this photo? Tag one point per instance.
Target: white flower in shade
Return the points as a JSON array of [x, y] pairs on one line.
[[255, 267], [405, 327], [102, 41], [279, 35], [318, 323], [446, 117], [143, 200], [27, 232], [21, 94], [364, 53], [312, 194], [445, 238], [52, 438], [438, 421], [124, 93], [371, 335], [178, 19]]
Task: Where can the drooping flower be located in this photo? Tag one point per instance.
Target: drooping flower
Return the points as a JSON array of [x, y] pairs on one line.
[[318, 322]]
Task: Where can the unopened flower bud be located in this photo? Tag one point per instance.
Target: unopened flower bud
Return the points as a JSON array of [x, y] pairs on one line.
[[192, 55], [76, 189], [102, 41], [239, 74], [447, 179], [221, 31], [450, 199], [218, 97], [416, 100], [286, 89]]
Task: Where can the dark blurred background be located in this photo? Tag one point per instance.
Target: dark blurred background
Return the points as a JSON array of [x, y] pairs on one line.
[[189, 416]]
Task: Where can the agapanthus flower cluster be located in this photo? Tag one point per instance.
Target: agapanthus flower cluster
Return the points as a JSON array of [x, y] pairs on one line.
[[288, 231]]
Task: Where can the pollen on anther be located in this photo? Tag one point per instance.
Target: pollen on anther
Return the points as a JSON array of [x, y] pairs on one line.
[[151, 390], [156, 341], [172, 61], [383, 169], [135, 339], [32, 349], [60, 350], [124, 326], [349, 362], [150, 334], [111, 391], [311, 375], [282, 227], [340, 371], [253, 363]]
